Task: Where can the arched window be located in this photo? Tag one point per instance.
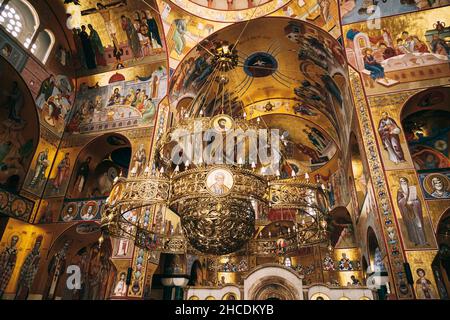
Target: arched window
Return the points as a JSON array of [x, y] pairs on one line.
[[43, 45], [20, 19], [287, 262]]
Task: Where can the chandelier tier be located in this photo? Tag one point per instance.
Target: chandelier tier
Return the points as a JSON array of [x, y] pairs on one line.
[[218, 194]]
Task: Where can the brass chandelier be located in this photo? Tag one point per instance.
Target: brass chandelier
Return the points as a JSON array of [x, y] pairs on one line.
[[217, 199]]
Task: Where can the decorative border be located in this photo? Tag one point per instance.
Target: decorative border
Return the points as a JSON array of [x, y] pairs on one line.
[[394, 250]]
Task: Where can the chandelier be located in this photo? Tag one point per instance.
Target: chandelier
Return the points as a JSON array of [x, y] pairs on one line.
[[215, 193]]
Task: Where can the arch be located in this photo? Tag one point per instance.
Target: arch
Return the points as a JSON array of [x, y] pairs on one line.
[[97, 164], [229, 296], [372, 245], [76, 247], [319, 296], [193, 298], [358, 169], [273, 281], [21, 20], [196, 276], [43, 45], [210, 298], [342, 233], [425, 119], [19, 128]]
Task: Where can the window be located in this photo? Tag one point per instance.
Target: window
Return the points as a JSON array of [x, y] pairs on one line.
[[43, 45], [287, 262], [20, 19]]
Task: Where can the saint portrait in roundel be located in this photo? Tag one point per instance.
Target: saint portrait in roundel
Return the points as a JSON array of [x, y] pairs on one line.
[[219, 182], [3, 200], [437, 185], [222, 123], [89, 210], [69, 212], [18, 208]]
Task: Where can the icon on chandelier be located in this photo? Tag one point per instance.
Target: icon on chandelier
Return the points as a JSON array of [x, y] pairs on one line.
[[219, 182], [222, 123]]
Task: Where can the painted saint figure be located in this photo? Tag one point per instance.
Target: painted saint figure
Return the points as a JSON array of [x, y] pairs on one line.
[[178, 35], [219, 187], [139, 160], [345, 264], [439, 188], [97, 46], [15, 102], [120, 289], [28, 270], [389, 133], [411, 211], [41, 166], [89, 54], [56, 268], [63, 172], [82, 174], [375, 68], [424, 287], [8, 260], [132, 36]]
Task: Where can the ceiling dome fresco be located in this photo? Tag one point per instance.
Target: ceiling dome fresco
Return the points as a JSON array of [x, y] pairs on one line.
[[230, 10]]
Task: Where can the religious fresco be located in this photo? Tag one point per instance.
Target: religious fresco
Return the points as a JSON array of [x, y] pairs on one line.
[[54, 102], [424, 282], [60, 175], [391, 138], [18, 129], [401, 52], [365, 10], [411, 211], [187, 23], [87, 210], [436, 186], [427, 133], [121, 104], [40, 167], [321, 72], [15, 206], [114, 35], [95, 171]]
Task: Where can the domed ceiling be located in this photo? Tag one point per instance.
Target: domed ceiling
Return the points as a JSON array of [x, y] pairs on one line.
[[295, 83]]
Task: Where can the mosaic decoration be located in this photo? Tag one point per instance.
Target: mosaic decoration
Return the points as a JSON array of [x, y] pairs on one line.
[[81, 210], [15, 206], [394, 250], [435, 185]]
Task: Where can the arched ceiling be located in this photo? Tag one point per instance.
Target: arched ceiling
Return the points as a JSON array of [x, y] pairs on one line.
[[288, 73]]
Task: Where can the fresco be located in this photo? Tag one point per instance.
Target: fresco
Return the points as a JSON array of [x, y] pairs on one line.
[[391, 138], [114, 35], [12, 52], [87, 210], [363, 10], [401, 52], [436, 185], [424, 281], [427, 133], [318, 81], [18, 128], [54, 102], [125, 102], [40, 167], [15, 206], [411, 211]]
